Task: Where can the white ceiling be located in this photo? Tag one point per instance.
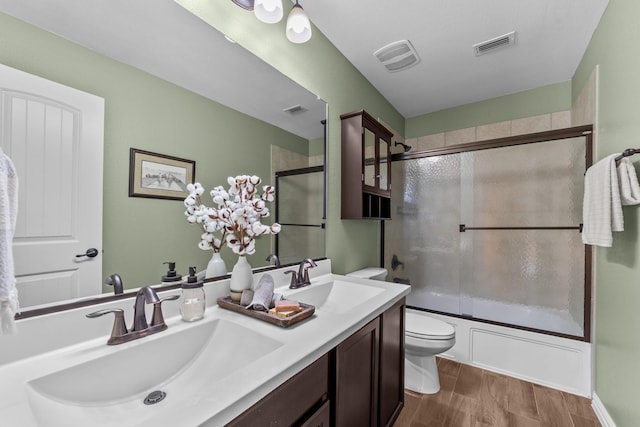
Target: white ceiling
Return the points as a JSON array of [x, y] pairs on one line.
[[552, 36], [162, 38]]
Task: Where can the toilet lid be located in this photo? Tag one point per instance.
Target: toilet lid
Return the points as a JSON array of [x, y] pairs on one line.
[[426, 327]]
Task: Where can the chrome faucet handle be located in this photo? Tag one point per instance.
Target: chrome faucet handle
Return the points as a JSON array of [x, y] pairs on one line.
[[294, 279], [119, 329], [158, 318]]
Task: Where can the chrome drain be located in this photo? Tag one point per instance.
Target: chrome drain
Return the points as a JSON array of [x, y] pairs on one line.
[[154, 397]]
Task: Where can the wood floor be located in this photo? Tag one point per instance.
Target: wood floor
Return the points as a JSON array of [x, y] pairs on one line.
[[474, 397]]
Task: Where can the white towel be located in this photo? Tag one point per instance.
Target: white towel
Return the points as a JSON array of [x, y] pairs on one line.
[[263, 294], [628, 181], [8, 218], [606, 190]]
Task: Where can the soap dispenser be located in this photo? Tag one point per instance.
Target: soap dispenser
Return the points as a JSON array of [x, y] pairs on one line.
[[193, 303], [172, 276]]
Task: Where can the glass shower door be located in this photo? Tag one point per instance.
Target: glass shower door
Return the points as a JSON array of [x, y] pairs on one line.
[[493, 234], [299, 210]]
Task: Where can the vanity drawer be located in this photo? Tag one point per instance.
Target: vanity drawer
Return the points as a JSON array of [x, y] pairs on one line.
[[320, 418], [288, 403]]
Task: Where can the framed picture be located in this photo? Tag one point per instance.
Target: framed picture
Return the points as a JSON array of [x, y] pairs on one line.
[[159, 176]]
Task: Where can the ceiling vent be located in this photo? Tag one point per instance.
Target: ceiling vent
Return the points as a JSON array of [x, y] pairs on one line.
[[494, 44], [397, 56], [295, 109]]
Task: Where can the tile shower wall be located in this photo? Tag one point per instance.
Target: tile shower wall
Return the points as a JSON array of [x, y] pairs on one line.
[[541, 123]]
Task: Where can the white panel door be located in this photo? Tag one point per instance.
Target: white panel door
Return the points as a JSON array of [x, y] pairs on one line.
[[54, 135]]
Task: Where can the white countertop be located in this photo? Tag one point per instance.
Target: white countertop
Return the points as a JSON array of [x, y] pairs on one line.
[[214, 404]]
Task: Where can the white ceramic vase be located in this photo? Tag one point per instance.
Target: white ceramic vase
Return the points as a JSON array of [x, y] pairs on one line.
[[216, 266], [241, 278]]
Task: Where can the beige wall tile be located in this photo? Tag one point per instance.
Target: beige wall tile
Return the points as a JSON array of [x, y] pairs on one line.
[[584, 109], [429, 142], [560, 120], [493, 131], [533, 124], [460, 136]]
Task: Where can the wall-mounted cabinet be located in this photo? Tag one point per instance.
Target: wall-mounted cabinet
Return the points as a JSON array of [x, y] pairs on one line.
[[366, 171]]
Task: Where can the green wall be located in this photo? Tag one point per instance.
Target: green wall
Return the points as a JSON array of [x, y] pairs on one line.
[[321, 68], [543, 100], [614, 48], [148, 113]]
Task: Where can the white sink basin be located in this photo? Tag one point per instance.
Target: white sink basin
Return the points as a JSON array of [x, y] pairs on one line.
[[335, 296], [180, 364]]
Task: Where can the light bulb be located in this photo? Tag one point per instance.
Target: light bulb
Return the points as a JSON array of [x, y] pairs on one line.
[[268, 11], [298, 25]]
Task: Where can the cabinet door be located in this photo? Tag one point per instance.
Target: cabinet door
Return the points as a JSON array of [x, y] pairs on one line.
[[391, 363], [357, 378]]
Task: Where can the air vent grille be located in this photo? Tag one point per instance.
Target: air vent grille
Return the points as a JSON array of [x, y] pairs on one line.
[[295, 109], [397, 56], [495, 43]]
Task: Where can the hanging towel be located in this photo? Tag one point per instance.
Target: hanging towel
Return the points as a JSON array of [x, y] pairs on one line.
[[606, 189], [8, 217], [628, 182]]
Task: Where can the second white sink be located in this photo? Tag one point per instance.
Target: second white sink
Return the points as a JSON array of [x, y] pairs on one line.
[[334, 296]]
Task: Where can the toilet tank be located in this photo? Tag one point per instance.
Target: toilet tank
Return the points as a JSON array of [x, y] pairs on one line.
[[373, 273]]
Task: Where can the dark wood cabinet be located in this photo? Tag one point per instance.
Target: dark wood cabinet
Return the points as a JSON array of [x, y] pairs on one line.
[[369, 372], [358, 383], [293, 403], [356, 398], [366, 167], [391, 380]]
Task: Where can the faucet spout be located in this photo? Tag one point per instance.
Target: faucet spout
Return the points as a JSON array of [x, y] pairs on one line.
[[146, 295], [303, 271]]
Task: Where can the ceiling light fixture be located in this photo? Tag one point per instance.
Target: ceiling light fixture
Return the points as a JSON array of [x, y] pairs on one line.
[[245, 4], [298, 25], [268, 11]]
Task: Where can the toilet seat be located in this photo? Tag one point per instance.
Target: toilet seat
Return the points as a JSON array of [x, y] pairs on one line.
[[427, 328]]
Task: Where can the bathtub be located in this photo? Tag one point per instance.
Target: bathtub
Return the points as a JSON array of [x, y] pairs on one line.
[[557, 362]]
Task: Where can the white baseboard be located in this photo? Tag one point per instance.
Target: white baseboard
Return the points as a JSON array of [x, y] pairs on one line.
[[601, 412]]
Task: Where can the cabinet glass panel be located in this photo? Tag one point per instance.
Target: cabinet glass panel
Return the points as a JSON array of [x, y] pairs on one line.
[[384, 165], [369, 158]]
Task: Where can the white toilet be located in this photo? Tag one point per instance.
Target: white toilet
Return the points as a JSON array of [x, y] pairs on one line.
[[425, 337]]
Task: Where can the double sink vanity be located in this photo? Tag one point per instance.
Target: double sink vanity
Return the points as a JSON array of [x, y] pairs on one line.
[[342, 365]]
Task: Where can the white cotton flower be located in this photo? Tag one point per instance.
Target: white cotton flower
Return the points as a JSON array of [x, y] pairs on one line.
[[204, 245], [255, 180], [191, 188], [275, 228], [192, 219], [189, 201]]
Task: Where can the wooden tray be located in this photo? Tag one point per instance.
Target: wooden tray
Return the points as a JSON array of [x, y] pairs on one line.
[[285, 322]]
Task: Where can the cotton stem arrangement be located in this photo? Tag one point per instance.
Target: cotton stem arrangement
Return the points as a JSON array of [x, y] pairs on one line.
[[237, 217]]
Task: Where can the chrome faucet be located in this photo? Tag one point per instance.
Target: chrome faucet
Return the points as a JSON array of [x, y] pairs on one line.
[[116, 281], [301, 279], [274, 258], [144, 296], [140, 328]]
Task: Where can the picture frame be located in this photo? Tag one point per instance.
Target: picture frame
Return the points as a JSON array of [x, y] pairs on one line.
[[159, 176]]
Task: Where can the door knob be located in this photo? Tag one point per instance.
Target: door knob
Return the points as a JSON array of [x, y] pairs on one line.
[[91, 253]]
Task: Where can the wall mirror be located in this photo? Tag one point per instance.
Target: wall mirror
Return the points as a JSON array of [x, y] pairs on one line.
[[222, 71]]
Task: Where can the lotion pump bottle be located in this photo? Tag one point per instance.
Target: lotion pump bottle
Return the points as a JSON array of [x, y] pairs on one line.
[[193, 303], [172, 276]]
